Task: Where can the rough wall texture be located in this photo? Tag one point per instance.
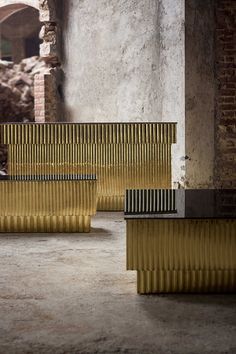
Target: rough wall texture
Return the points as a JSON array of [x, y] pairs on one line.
[[200, 92], [124, 61], [46, 97], [225, 172], [16, 89]]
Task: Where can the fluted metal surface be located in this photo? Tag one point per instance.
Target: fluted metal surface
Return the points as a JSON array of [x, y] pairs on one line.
[[123, 156], [47, 206], [52, 223], [117, 166], [150, 201], [193, 281], [182, 255], [181, 244], [89, 133]]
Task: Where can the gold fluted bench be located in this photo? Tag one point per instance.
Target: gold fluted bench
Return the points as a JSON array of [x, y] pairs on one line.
[[122, 155], [180, 241], [47, 203]]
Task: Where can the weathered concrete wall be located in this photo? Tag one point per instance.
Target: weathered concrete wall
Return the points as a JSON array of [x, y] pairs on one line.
[[124, 61], [200, 93]]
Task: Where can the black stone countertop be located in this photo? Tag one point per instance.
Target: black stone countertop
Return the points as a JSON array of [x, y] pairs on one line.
[[181, 203], [74, 177]]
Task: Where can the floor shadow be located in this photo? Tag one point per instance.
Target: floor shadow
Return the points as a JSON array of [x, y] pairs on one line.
[[97, 230], [189, 309], [44, 236], [224, 299]]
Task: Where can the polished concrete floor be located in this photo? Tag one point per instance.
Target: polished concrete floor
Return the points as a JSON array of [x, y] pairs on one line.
[[66, 293]]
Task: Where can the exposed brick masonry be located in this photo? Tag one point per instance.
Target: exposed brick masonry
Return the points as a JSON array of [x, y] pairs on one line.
[[45, 98], [225, 44], [46, 93]]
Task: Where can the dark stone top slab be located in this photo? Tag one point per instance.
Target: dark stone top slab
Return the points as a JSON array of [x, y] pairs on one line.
[[73, 177], [189, 204]]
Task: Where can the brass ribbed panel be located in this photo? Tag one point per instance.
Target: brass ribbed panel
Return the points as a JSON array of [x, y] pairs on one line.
[[52, 223], [123, 156], [181, 244], [117, 166], [101, 133], [47, 206], [67, 198], [150, 201], [114, 203], [194, 281]]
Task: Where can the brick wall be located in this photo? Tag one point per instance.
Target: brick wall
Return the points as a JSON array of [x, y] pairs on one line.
[[225, 47], [45, 98], [39, 98]]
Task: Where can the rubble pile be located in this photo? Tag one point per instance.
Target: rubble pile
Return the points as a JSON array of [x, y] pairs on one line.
[[3, 160], [17, 89], [17, 95]]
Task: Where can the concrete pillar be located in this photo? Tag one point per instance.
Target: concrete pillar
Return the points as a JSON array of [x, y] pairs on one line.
[[199, 93]]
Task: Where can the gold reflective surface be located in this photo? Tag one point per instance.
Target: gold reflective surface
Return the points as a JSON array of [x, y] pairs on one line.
[[177, 255], [189, 281], [122, 156], [89, 133], [47, 206]]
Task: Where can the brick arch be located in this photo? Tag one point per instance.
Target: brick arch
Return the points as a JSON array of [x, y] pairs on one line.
[[47, 15], [9, 8], [32, 3], [47, 97]]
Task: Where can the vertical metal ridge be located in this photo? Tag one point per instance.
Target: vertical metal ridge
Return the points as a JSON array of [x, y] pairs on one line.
[[122, 155], [39, 201], [181, 244], [39, 224], [65, 133], [150, 201], [180, 281]]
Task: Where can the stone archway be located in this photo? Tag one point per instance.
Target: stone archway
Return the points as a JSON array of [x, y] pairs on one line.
[[45, 85], [33, 3], [49, 32], [47, 15]]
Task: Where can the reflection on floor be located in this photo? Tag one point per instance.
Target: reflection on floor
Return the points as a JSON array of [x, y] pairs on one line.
[[70, 293]]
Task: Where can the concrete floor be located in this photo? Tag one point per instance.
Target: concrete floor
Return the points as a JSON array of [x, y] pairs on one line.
[[66, 293]]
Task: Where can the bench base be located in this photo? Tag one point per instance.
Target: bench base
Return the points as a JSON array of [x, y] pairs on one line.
[[183, 281], [41, 224], [182, 255]]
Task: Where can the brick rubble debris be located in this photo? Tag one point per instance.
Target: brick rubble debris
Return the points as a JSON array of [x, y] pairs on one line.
[[17, 89], [17, 94]]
